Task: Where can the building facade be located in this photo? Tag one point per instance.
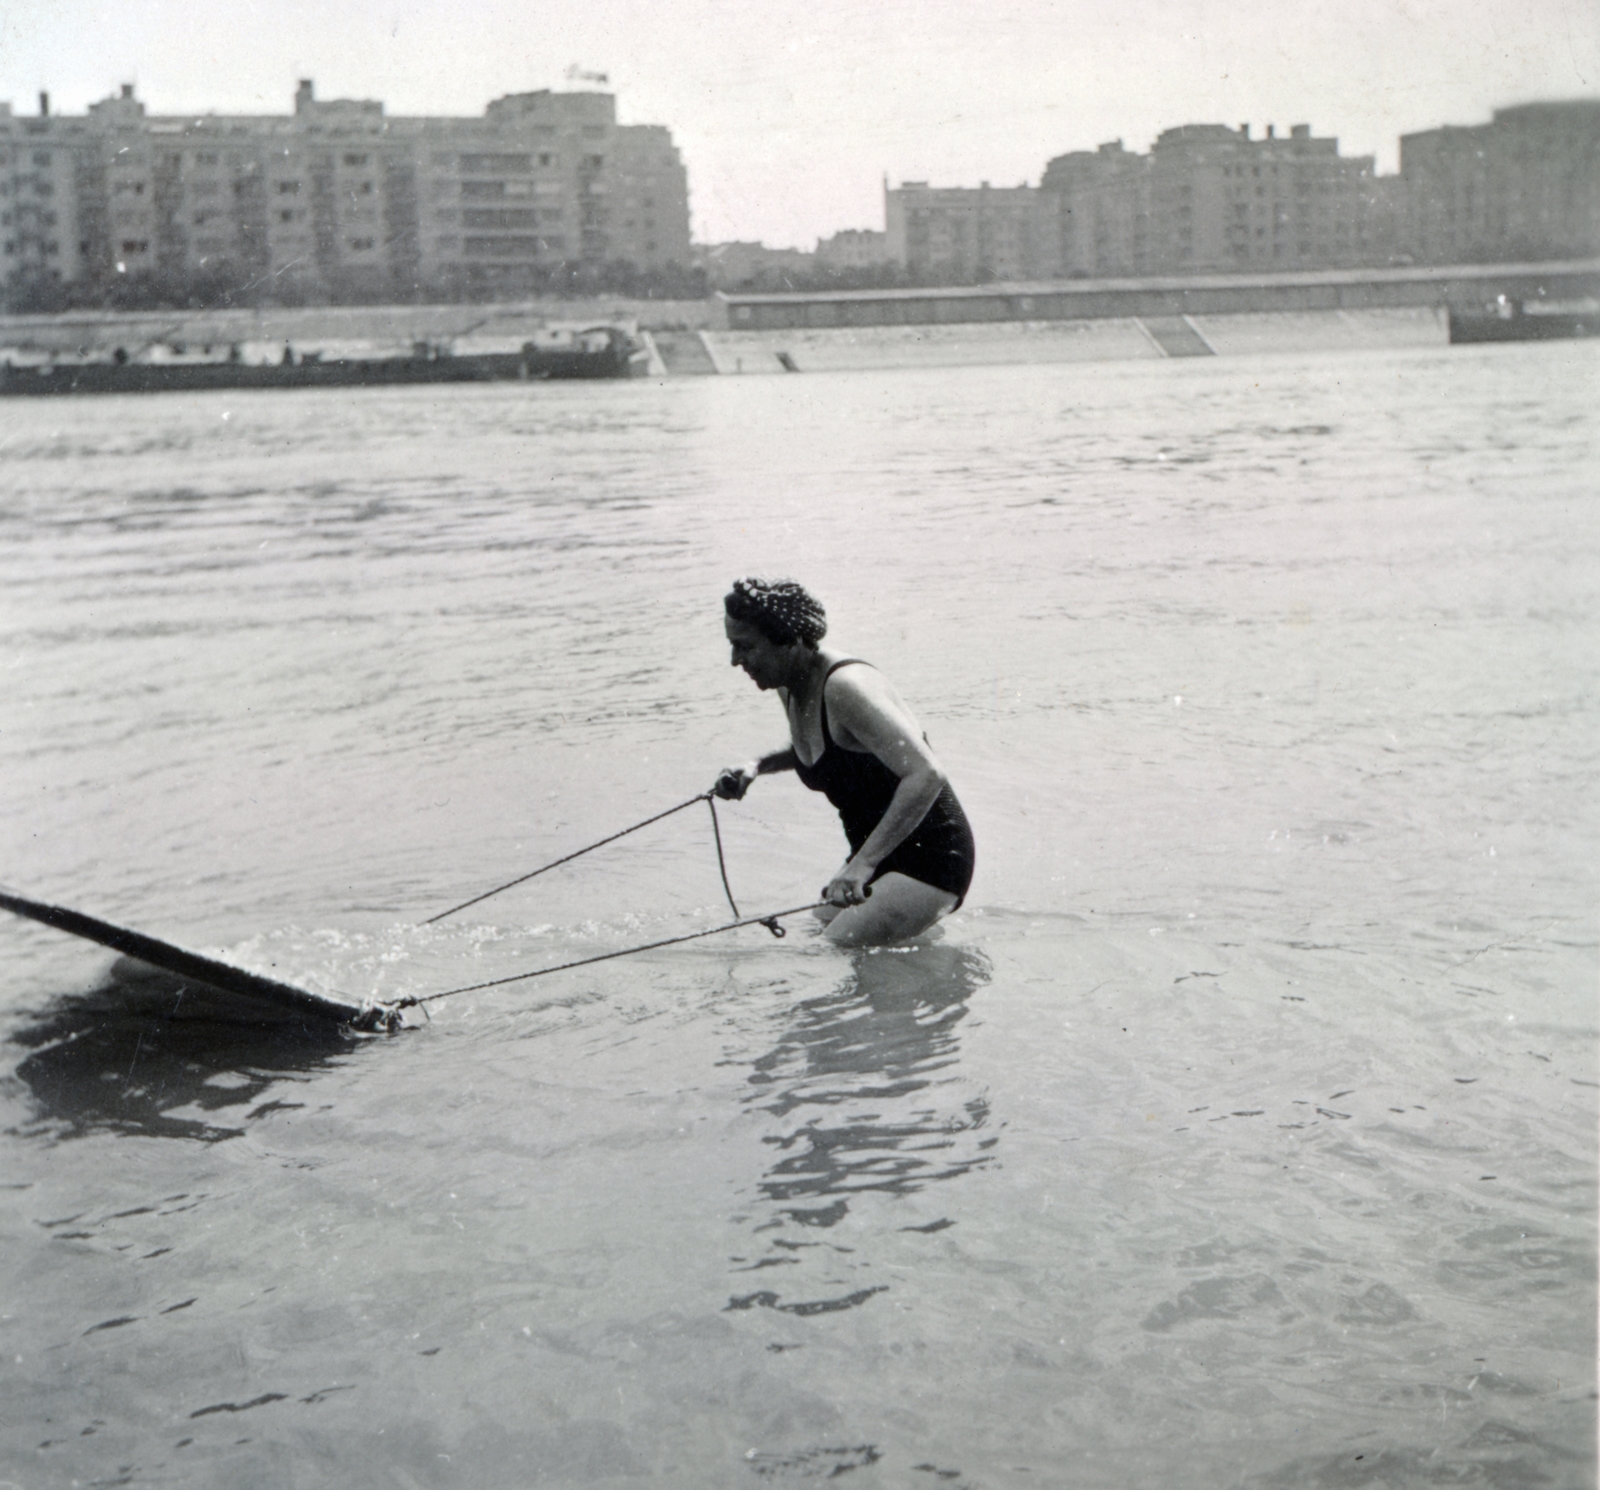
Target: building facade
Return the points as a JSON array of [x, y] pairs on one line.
[[1096, 210], [40, 183], [1209, 198], [337, 199], [1221, 200], [963, 234], [1524, 186], [1206, 198]]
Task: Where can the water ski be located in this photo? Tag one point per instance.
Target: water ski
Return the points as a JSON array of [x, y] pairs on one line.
[[249, 995]]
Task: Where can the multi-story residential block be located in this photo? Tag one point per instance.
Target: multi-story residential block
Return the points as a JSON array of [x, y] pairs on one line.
[[339, 199], [1210, 198], [1525, 186], [964, 234], [1225, 201], [40, 177], [1206, 198], [1095, 206]]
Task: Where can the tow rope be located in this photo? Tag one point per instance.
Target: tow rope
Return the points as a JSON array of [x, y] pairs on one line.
[[771, 922], [579, 853]]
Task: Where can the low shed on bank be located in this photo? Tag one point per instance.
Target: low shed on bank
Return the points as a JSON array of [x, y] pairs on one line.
[[1460, 287]]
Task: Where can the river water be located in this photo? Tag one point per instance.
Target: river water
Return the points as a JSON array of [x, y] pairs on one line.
[[1239, 1130]]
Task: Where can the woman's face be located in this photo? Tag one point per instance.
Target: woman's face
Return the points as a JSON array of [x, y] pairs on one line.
[[765, 662]]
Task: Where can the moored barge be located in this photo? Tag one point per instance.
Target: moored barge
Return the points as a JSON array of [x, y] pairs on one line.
[[609, 351], [1525, 320]]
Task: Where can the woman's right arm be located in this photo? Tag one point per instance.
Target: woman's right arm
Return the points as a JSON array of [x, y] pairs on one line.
[[733, 783]]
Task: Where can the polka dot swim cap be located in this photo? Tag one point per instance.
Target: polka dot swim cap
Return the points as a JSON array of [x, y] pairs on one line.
[[780, 609]]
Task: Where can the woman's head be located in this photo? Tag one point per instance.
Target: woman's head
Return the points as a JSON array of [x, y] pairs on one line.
[[781, 610]]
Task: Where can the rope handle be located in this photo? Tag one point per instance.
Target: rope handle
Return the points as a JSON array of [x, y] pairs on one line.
[[722, 864]]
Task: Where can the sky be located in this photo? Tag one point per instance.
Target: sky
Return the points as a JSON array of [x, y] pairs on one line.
[[790, 113]]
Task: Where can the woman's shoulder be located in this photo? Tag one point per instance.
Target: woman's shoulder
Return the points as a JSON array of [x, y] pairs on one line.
[[859, 687], [865, 712], [849, 677], [844, 664]]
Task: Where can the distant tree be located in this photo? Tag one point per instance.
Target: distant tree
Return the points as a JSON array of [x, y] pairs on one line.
[[668, 282], [223, 285]]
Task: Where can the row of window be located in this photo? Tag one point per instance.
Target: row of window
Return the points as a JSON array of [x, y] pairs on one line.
[[209, 186], [1242, 230], [467, 164], [503, 246], [501, 218], [135, 246], [1301, 189], [474, 164], [497, 247], [491, 190], [512, 248], [240, 161], [1280, 209], [506, 217], [1302, 248]]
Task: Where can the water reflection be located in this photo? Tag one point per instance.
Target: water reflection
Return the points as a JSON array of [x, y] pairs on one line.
[[126, 1058], [864, 1094]]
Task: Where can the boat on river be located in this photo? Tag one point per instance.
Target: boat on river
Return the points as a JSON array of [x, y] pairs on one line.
[[1526, 320], [607, 351]]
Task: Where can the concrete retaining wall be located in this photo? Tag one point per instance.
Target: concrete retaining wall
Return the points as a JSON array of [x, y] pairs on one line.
[[1110, 339], [1324, 331]]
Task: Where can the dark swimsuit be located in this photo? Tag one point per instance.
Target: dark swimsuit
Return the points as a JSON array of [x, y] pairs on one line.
[[939, 851]]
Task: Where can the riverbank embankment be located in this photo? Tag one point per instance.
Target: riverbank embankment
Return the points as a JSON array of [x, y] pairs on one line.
[[686, 349], [1108, 339], [1061, 321]]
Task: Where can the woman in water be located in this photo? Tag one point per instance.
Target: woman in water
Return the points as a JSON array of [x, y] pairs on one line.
[[853, 739]]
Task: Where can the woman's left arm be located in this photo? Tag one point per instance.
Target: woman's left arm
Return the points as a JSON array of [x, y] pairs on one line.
[[871, 716]]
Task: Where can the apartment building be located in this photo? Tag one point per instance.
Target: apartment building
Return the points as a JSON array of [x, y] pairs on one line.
[[1524, 186], [1224, 201], [1095, 209], [964, 234], [40, 179], [1208, 198], [337, 198]]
